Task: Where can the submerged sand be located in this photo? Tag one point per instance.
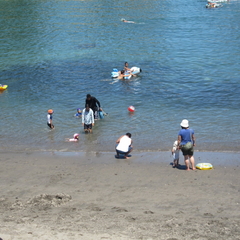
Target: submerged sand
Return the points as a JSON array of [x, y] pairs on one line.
[[95, 196]]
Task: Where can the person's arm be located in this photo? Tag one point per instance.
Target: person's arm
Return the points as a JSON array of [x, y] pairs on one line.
[[193, 139], [92, 118], [127, 75], [98, 103], [83, 113], [179, 140]]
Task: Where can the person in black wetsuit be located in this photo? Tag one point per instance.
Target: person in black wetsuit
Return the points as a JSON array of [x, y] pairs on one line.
[[94, 104]]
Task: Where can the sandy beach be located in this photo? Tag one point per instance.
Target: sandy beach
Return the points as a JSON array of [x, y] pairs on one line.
[[95, 196]]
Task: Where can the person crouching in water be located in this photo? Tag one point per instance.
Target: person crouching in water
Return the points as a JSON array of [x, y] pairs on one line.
[[124, 145], [87, 119], [74, 139]]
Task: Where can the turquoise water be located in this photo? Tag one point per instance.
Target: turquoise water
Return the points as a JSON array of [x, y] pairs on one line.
[[53, 53]]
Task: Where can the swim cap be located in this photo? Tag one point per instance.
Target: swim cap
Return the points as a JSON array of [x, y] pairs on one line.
[[50, 111], [75, 135], [78, 109]]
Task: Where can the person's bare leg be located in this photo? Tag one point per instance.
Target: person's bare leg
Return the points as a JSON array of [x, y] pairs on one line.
[[191, 158], [177, 165], [126, 155], [186, 162]]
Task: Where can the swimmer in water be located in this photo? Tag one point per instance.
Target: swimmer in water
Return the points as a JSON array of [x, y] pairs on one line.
[[79, 113], [122, 75], [126, 68], [126, 21], [74, 139]]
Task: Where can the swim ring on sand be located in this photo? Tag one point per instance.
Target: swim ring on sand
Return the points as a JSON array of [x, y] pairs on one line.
[[204, 166]]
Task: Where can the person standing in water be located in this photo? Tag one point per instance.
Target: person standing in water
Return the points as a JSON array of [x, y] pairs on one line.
[[49, 118], [94, 104], [87, 119]]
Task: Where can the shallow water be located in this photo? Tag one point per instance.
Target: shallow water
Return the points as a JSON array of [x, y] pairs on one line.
[[53, 53]]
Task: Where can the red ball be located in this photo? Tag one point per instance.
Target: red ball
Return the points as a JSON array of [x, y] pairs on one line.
[[131, 108]]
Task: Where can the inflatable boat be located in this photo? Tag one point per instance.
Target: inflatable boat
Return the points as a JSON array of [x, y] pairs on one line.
[[133, 70], [217, 1], [3, 87]]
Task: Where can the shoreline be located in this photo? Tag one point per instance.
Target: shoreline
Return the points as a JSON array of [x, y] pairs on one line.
[[214, 157], [92, 195]]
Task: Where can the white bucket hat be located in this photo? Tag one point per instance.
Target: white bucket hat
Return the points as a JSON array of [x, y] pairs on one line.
[[184, 123]]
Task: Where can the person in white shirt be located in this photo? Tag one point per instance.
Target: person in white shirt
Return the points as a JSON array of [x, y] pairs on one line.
[[175, 154], [124, 145], [87, 119]]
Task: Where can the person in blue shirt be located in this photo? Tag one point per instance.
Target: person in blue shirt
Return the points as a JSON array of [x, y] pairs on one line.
[[186, 142]]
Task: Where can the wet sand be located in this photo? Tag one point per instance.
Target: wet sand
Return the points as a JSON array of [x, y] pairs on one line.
[[95, 196]]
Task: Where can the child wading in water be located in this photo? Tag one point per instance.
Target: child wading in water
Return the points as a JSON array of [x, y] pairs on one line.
[[175, 154], [79, 113], [49, 118]]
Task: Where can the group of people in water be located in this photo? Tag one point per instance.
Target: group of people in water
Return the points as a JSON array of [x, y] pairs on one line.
[[89, 114], [126, 72]]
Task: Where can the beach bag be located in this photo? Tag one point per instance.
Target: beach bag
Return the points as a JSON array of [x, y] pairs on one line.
[[187, 146]]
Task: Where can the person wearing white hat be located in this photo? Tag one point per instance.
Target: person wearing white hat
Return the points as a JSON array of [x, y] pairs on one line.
[[186, 142]]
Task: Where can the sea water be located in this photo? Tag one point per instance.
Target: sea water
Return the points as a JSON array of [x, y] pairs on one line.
[[54, 52]]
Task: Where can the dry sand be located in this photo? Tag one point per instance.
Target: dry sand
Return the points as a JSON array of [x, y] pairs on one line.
[[95, 196]]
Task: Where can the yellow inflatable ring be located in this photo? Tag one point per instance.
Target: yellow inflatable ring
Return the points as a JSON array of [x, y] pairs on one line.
[[204, 166], [3, 87]]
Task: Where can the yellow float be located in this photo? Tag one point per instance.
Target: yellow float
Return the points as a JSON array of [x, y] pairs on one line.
[[204, 166], [3, 87]]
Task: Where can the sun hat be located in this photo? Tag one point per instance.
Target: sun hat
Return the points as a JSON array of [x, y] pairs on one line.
[[75, 135], [50, 111], [184, 123]]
